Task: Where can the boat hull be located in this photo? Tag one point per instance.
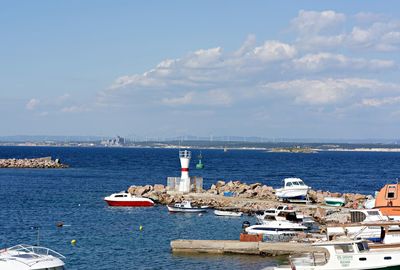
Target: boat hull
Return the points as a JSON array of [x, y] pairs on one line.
[[291, 194], [227, 213], [186, 210], [334, 201], [136, 203]]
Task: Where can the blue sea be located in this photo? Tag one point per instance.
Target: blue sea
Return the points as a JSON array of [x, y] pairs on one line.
[[109, 238]]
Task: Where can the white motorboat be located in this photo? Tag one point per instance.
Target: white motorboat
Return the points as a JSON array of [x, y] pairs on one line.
[[293, 189], [282, 213], [186, 207], [345, 254], [227, 213], [26, 257], [124, 198], [274, 227]]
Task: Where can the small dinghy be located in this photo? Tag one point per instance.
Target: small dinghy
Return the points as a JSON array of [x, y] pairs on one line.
[[334, 201], [186, 207], [227, 213]]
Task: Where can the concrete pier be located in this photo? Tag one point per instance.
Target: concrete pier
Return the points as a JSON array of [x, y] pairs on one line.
[[237, 247]]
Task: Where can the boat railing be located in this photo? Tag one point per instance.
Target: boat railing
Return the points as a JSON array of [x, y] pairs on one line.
[[34, 250]]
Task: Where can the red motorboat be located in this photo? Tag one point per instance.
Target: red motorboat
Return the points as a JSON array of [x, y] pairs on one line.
[[127, 199]]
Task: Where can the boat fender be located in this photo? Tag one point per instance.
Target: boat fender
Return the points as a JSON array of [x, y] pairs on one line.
[[245, 225]]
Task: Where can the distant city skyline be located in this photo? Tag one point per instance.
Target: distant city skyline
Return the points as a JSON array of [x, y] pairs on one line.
[[293, 69]]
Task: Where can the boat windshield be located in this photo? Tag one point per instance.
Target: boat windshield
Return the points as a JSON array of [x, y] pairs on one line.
[[289, 184], [312, 259], [301, 183]]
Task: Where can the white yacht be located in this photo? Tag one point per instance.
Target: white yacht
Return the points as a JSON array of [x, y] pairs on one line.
[[360, 217], [25, 257], [293, 189], [345, 254]]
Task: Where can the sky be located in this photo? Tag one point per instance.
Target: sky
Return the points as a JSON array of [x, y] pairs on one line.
[[271, 69]]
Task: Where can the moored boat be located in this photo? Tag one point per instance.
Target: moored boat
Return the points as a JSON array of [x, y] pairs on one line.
[[128, 200], [334, 201], [360, 226], [293, 189], [227, 213], [186, 207], [388, 201], [26, 257], [345, 254]]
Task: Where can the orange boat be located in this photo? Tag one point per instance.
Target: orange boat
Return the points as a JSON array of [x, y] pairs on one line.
[[388, 200]]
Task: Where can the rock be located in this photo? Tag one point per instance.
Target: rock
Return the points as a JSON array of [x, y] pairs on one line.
[[320, 198], [312, 195], [319, 214], [255, 185], [220, 184], [241, 189], [142, 190], [132, 189], [159, 188]]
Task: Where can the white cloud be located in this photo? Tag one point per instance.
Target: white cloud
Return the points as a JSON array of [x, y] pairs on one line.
[[324, 61], [32, 104], [274, 51], [380, 36], [204, 58], [326, 29], [314, 22], [329, 91]]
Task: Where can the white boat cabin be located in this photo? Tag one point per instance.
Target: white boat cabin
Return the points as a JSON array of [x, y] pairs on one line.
[[346, 254], [293, 183]]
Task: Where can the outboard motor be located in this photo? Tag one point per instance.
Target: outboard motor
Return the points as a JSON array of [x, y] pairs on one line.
[[245, 225]]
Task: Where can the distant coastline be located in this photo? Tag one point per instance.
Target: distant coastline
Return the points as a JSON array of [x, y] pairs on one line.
[[293, 148]]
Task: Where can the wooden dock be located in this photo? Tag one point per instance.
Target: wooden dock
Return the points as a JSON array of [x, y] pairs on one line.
[[238, 247]]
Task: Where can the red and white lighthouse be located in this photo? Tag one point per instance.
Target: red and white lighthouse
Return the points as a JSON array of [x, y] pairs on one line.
[[184, 185]]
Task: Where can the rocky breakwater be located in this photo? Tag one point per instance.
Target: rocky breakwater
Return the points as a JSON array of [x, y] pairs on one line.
[[253, 197], [233, 194], [43, 162]]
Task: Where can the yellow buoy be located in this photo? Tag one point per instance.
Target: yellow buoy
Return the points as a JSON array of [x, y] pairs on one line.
[[73, 242], [140, 228]]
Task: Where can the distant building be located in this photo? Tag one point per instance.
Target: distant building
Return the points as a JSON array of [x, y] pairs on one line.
[[118, 141]]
